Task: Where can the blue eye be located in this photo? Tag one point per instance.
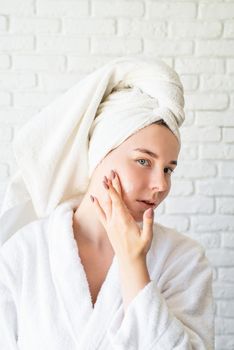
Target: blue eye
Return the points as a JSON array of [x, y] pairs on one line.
[[166, 170], [144, 160]]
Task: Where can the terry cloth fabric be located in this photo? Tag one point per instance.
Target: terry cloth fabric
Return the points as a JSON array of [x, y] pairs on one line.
[[45, 300], [59, 148]]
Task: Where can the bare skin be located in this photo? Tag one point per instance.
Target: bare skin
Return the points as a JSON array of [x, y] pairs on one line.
[[141, 177]]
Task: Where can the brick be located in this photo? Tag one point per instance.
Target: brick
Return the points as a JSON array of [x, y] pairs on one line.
[[214, 273], [202, 134], [228, 31], [118, 8], [85, 64], [34, 99], [226, 169], [189, 119], [199, 65], [208, 240], [89, 26], [188, 152], [231, 101], [225, 205], [206, 101], [11, 115], [181, 188], [191, 205], [230, 65], [4, 61], [220, 257], [216, 10], [16, 42], [170, 10], [68, 43], [219, 151], [197, 169], [190, 82], [5, 98], [3, 24], [216, 82], [5, 133], [20, 8], [6, 153], [214, 118], [4, 171], [213, 223], [168, 47], [194, 29], [17, 80], [216, 187], [119, 46], [177, 222], [226, 274], [58, 82], [217, 48], [62, 8], [228, 134], [39, 62], [224, 325], [34, 25], [228, 240], [135, 27], [223, 291], [226, 309]]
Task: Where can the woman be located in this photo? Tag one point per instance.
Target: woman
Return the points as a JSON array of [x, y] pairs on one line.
[[93, 270]]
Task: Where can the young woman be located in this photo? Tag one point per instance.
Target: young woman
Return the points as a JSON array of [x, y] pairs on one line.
[[99, 272]]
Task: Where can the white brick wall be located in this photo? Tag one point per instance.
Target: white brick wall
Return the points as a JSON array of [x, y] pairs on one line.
[[47, 45]]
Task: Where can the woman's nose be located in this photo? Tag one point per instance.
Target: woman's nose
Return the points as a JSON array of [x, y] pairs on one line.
[[160, 182]]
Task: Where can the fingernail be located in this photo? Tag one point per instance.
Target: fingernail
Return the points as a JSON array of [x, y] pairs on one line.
[[91, 197], [112, 174], [105, 185], [150, 213]]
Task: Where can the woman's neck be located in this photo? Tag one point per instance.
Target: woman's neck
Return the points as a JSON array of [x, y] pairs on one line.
[[87, 226]]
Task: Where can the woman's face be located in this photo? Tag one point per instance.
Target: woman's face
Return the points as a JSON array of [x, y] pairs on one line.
[[142, 176]]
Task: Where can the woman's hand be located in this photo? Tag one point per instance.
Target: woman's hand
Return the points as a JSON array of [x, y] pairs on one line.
[[128, 240]]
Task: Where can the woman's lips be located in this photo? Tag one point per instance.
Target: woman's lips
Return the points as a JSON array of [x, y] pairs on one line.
[[147, 205]]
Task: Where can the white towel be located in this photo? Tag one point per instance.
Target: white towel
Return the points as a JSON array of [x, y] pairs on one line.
[[58, 149]]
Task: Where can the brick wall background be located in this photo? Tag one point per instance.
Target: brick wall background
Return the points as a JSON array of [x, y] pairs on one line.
[[46, 46]]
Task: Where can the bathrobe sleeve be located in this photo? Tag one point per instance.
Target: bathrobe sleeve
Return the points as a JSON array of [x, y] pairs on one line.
[[8, 316], [178, 315]]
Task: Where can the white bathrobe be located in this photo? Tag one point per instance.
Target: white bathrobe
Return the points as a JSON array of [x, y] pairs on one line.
[[45, 301]]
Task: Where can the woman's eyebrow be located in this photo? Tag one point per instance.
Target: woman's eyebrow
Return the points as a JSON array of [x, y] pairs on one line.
[[152, 154]]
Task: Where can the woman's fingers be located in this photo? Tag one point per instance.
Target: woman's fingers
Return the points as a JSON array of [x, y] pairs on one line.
[[147, 231], [106, 203], [116, 183]]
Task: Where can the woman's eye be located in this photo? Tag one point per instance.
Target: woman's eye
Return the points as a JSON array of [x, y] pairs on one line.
[[166, 170], [141, 161], [170, 170]]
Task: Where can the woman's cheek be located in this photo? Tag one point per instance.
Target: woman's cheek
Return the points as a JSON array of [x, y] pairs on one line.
[[128, 187]]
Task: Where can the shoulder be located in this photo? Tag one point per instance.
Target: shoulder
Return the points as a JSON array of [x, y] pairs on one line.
[[176, 248], [26, 235], [172, 238], [23, 247]]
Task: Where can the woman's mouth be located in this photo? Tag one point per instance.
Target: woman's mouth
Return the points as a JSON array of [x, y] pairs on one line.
[[147, 205]]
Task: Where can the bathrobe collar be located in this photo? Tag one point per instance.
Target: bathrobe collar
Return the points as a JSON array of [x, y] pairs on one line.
[[71, 283], [86, 323]]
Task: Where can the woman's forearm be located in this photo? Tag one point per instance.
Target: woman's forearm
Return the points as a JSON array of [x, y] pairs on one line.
[[134, 276]]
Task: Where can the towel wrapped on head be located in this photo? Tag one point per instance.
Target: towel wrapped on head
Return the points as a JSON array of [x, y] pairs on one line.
[[60, 147]]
